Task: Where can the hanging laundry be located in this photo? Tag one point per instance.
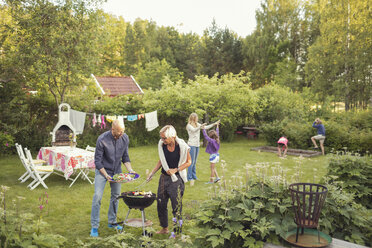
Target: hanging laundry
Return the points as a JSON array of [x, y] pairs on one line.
[[111, 118], [77, 119], [94, 120], [140, 116], [151, 120], [132, 117], [121, 120], [103, 124]]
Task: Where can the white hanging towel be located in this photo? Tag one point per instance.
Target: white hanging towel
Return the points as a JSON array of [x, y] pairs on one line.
[[77, 119], [151, 120], [121, 120], [94, 121]]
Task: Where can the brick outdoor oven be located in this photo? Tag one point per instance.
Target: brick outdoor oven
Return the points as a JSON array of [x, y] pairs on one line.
[[61, 132]]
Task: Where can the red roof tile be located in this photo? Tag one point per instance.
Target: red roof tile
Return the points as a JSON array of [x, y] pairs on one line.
[[119, 85]]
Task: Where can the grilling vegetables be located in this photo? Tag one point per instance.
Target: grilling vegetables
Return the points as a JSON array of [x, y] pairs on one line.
[[123, 177], [139, 194]]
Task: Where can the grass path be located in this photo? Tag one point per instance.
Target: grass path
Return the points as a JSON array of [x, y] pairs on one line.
[[69, 208]]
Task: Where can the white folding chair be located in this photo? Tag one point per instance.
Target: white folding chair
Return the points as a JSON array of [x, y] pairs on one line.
[[39, 172], [23, 159], [90, 148]]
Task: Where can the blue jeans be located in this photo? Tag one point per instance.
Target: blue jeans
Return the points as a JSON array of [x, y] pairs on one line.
[[99, 186], [191, 170]]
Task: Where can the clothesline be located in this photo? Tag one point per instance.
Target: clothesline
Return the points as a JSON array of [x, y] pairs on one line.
[[151, 119]]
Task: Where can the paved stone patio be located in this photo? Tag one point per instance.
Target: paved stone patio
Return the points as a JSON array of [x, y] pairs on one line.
[[336, 243]]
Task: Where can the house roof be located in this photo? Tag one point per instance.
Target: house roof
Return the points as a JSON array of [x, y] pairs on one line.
[[118, 85]]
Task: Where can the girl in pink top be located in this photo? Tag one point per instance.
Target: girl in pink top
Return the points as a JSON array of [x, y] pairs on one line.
[[282, 145]]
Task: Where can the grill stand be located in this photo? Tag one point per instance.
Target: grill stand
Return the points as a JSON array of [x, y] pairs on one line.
[[144, 223]]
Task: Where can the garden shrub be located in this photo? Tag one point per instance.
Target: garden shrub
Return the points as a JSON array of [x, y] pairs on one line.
[[277, 103], [28, 119], [354, 173], [25, 229], [6, 143], [343, 218], [272, 131], [247, 214], [245, 217], [350, 130], [337, 135], [298, 133]]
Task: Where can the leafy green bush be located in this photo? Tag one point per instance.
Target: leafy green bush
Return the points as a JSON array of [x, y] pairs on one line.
[[343, 218], [247, 214], [24, 229], [245, 217], [276, 103], [298, 133], [6, 143], [354, 173], [350, 130], [21, 229]]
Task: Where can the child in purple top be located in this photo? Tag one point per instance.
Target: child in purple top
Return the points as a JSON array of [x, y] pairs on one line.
[[212, 148]]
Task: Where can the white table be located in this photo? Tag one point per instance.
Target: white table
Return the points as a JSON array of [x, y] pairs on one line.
[[68, 159]]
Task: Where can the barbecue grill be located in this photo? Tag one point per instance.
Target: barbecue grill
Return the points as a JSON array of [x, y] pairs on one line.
[[139, 202]]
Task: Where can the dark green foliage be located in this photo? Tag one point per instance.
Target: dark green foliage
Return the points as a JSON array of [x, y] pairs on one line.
[[277, 103], [248, 216], [343, 218], [298, 133], [352, 130], [354, 173]]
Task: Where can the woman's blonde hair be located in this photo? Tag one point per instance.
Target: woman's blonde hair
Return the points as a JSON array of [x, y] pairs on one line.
[[193, 117], [169, 131]]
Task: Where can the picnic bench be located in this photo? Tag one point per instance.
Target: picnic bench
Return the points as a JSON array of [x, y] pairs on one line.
[[251, 132]]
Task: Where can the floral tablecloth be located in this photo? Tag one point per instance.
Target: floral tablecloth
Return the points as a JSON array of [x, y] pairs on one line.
[[67, 159]]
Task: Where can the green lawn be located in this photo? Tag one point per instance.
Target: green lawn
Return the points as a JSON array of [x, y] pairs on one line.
[[69, 208]]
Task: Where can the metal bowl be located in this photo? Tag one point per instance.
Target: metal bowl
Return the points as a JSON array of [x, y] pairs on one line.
[[137, 201]]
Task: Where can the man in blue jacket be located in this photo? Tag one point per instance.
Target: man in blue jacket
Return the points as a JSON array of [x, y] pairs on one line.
[[320, 136], [111, 150]]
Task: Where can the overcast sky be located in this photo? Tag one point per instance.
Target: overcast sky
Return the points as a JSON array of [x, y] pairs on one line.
[[190, 15]]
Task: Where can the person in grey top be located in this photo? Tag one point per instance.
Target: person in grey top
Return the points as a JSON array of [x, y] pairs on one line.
[[111, 151]]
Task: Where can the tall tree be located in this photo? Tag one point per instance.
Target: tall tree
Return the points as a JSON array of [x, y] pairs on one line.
[[187, 55], [227, 97], [56, 43], [285, 29], [153, 73], [137, 45], [339, 61], [111, 35], [220, 51]]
